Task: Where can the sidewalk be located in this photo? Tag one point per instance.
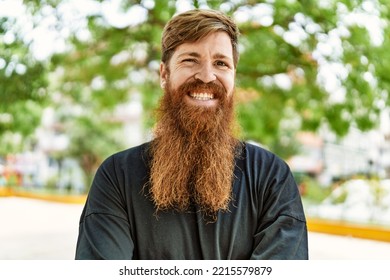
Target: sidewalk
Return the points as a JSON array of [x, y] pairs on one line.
[[42, 230], [35, 229]]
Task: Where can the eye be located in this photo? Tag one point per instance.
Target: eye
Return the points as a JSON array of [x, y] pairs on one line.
[[221, 63], [189, 60]]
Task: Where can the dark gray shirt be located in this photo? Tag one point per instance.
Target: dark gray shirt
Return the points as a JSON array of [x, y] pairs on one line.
[[266, 218]]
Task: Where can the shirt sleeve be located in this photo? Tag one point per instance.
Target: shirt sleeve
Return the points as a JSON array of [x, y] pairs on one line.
[[282, 232], [104, 230], [283, 239]]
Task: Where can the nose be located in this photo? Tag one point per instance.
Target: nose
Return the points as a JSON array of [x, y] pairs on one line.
[[206, 74]]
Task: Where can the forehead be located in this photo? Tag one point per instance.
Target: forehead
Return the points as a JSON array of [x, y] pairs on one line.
[[214, 44]]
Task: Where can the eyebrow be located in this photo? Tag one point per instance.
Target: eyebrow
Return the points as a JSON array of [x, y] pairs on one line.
[[197, 55], [194, 54]]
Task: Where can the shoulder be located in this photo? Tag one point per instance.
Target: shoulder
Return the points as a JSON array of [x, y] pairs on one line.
[[134, 155], [259, 157], [254, 148], [255, 151]]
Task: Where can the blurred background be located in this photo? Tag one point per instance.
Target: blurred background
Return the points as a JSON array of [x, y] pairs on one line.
[[79, 81]]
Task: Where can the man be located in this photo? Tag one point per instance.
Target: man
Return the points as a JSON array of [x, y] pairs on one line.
[[194, 191]]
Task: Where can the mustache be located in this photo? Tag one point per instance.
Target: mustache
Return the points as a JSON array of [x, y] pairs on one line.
[[199, 86]]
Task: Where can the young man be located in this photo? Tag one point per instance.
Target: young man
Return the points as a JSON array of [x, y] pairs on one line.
[[194, 191]]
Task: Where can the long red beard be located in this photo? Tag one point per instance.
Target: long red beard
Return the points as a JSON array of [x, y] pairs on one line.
[[193, 152]]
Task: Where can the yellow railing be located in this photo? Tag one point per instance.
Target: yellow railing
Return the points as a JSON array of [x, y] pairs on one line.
[[5, 191], [65, 198], [344, 228]]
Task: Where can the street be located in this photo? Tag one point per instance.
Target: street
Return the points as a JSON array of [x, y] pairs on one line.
[[41, 230]]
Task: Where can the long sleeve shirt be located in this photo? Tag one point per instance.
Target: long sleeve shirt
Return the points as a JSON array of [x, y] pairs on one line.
[[265, 219]]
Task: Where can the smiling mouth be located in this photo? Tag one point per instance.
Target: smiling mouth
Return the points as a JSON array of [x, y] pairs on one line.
[[202, 96]]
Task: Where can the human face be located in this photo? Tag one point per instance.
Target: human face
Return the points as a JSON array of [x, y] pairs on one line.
[[209, 60]]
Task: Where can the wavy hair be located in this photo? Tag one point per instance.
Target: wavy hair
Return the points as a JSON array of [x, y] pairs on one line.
[[194, 25]]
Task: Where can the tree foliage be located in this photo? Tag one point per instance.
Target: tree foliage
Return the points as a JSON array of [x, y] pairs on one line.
[[22, 82], [304, 65]]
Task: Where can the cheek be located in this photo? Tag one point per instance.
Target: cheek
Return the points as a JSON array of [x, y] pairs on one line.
[[178, 78], [229, 85]]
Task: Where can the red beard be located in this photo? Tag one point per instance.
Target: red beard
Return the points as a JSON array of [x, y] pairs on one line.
[[193, 151]]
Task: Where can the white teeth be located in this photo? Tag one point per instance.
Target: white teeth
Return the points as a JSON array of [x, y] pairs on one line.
[[202, 96]]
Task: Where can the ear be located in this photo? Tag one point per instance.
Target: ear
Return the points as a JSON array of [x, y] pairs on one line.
[[163, 74]]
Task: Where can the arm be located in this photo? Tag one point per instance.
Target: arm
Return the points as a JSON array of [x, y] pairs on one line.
[[104, 230], [281, 231]]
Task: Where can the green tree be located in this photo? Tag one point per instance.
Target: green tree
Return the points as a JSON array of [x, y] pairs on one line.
[[290, 50], [23, 82], [304, 65]]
